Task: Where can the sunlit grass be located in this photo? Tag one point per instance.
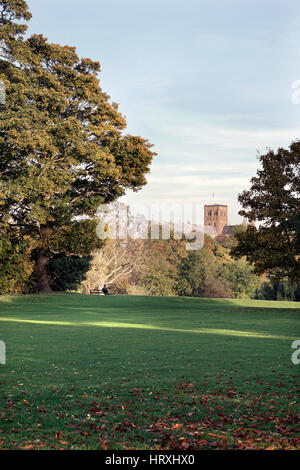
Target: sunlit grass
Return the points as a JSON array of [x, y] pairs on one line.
[[212, 331]]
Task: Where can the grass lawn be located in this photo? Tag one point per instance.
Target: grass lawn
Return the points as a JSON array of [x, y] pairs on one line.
[[124, 372]]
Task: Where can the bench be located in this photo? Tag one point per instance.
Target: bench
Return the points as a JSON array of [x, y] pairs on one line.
[[96, 292]]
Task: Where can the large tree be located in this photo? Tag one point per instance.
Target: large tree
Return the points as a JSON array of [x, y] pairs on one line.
[[274, 202], [63, 150]]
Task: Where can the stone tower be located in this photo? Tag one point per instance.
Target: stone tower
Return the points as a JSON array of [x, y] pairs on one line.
[[216, 216]]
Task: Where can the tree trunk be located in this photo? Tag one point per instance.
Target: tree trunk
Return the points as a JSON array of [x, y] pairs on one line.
[[43, 284]]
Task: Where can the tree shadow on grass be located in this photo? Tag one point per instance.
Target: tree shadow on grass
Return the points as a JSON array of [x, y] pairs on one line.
[[67, 300]]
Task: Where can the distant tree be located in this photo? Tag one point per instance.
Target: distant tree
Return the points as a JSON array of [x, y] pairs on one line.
[[158, 278], [284, 290], [241, 278], [158, 282], [274, 201], [217, 288], [162, 269], [193, 273], [62, 147], [214, 273], [115, 264]]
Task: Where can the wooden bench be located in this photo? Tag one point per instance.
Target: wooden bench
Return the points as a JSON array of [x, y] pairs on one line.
[[96, 292]]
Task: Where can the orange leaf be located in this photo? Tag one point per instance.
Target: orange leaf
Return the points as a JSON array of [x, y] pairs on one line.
[[177, 426], [202, 442]]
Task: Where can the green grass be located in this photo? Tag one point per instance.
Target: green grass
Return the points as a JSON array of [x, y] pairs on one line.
[[124, 372]]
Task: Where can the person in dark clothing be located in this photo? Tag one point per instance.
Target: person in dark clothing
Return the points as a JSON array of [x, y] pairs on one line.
[[105, 290]]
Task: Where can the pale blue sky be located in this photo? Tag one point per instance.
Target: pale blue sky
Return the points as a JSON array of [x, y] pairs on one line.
[[207, 81]]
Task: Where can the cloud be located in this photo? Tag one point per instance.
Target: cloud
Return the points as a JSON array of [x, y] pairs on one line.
[[204, 158], [220, 137]]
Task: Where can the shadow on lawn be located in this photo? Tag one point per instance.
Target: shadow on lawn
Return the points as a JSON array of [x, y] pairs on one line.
[[67, 300]]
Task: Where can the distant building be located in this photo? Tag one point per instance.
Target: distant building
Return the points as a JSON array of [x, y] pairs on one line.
[[216, 217], [228, 230], [216, 220]]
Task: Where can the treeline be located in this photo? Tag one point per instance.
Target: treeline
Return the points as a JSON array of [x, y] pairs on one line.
[[166, 268], [283, 290], [145, 267]]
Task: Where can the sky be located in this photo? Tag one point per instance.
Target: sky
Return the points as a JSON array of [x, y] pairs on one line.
[[208, 82]]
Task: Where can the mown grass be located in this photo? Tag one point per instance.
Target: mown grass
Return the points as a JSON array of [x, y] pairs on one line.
[[124, 372]]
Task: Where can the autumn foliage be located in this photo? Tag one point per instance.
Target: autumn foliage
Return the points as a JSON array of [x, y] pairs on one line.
[[63, 150]]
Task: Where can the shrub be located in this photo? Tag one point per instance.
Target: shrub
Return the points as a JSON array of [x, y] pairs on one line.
[[67, 272], [218, 288]]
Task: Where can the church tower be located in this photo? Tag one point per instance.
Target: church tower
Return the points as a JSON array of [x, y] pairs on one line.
[[216, 216]]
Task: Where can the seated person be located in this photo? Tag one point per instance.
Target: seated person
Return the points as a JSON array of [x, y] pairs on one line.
[[105, 290]]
